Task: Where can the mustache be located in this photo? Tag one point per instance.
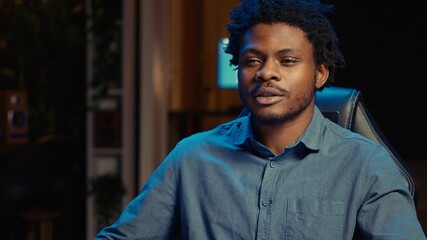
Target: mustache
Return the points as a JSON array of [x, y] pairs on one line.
[[269, 85]]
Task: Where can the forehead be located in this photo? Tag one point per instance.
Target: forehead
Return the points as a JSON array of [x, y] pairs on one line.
[[275, 36]]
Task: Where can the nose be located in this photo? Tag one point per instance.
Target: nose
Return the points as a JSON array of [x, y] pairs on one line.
[[268, 71]]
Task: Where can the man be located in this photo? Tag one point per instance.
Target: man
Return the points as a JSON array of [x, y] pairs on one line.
[[283, 171]]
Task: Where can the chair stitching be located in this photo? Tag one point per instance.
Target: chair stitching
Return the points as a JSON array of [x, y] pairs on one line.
[[349, 117], [400, 166]]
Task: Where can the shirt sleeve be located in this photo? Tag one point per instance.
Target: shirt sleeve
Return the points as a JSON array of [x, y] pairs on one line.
[[388, 210], [153, 214]]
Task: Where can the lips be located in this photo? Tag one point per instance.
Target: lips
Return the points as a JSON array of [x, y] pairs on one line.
[[268, 96], [267, 92]]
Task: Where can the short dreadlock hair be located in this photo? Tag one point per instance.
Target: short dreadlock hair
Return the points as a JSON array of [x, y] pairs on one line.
[[309, 16]]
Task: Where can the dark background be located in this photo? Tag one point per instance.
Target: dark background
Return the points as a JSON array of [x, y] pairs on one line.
[[384, 46]]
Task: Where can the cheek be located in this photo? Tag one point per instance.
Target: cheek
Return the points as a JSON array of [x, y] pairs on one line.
[[244, 77], [243, 86], [242, 89]]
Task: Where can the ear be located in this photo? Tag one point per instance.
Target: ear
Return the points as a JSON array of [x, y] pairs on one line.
[[322, 74]]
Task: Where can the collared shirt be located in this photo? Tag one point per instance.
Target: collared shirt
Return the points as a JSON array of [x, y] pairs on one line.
[[223, 184]]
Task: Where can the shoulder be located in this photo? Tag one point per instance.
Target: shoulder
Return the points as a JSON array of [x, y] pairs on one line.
[[354, 146], [353, 149], [338, 133], [325, 134], [224, 135]]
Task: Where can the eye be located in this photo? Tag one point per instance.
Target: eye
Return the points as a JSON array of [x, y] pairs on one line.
[[289, 61], [251, 61]]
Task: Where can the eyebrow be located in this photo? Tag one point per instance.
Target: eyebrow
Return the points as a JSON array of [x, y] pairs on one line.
[[286, 50]]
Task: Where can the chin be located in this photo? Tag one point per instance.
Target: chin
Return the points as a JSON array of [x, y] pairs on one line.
[[273, 115], [271, 118]]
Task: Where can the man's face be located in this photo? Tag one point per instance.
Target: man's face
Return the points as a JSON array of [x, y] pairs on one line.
[[277, 72]]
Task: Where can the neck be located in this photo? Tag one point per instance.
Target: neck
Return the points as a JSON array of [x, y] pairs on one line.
[[277, 137]]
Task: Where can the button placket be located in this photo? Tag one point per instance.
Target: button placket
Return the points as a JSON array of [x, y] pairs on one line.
[[267, 196]]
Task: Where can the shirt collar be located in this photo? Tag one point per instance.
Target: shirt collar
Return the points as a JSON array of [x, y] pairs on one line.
[[311, 137]]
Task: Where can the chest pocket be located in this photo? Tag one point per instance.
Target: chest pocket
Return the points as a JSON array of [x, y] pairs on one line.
[[315, 219]]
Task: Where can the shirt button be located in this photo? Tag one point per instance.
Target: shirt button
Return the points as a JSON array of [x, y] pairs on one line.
[[273, 164], [265, 203]]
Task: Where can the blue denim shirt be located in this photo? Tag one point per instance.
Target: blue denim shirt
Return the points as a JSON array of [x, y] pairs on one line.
[[223, 184]]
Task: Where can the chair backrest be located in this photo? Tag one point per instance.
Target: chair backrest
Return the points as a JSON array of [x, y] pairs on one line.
[[345, 106]]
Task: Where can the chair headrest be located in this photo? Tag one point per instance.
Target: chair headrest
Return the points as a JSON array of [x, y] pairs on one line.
[[338, 104]]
